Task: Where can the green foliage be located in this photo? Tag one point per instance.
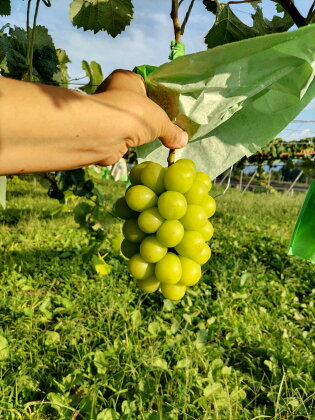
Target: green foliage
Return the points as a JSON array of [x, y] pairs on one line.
[[229, 28], [62, 77], [45, 60], [5, 7], [212, 5], [111, 16], [238, 346], [295, 154], [95, 75]]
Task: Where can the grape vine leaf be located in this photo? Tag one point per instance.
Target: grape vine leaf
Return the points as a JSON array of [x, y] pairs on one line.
[[45, 61], [211, 5], [111, 16], [95, 74], [62, 77], [277, 24], [235, 98], [229, 28], [5, 8]]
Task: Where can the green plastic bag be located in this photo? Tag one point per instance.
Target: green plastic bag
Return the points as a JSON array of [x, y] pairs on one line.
[[302, 243], [235, 98]]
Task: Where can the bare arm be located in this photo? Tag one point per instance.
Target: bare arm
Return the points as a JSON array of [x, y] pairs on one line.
[[45, 128]]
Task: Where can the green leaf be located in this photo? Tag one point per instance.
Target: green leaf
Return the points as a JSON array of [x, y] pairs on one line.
[[100, 266], [159, 363], [108, 414], [51, 338], [211, 5], [136, 319], [5, 8], [100, 361], [81, 213], [4, 348], [228, 28], [94, 73], [235, 98], [183, 364], [62, 77], [3, 190], [111, 16], [45, 61], [61, 404], [278, 24]]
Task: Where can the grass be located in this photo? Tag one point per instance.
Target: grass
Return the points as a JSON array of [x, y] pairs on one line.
[[77, 345]]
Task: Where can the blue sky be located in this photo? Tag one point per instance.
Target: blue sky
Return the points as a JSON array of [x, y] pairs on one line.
[[145, 41]]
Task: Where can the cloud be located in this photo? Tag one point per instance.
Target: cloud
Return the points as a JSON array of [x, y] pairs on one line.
[[298, 134]]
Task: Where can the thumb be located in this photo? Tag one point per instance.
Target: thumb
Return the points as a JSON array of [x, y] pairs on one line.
[[174, 137]]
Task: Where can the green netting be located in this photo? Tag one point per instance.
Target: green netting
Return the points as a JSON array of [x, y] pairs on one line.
[[302, 243]]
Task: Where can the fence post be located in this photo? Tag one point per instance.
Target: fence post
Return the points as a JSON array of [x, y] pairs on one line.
[[241, 180], [249, 182], [294, 182]]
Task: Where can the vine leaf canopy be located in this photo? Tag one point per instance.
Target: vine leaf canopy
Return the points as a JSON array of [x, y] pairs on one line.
[[5, 8], [111, 16], [229, 28], [13, 46]]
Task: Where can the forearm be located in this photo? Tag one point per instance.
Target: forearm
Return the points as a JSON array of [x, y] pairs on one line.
[[44, 128]]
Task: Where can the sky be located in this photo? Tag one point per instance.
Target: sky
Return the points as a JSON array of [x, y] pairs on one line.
[[145, 41]]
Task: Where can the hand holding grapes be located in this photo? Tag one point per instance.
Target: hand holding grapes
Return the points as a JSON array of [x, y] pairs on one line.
[[46, 128]]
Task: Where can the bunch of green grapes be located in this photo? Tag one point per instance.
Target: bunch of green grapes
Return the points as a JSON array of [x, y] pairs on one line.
[[166, 228]]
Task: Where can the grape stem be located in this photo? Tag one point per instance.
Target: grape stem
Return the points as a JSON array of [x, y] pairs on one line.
[[171, 157], [177, 34]]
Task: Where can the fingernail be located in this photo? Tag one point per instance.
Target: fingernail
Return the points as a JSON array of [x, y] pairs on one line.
[[183, 140]]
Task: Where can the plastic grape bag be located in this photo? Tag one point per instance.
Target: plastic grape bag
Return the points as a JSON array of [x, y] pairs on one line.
[[235, 98], [302, 243]]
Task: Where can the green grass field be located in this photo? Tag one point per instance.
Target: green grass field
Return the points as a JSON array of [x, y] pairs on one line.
[[77, 345]]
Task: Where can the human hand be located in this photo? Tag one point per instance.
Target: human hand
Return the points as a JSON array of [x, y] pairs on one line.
[[141, 119]]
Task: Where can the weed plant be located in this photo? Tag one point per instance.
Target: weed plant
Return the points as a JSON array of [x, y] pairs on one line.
[[78, 345]]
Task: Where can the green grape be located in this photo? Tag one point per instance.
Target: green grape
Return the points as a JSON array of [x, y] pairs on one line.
[[149, 285], [179, 177], [172, 205], [173, 291], [206, 231], [170, 233], [151, 250], [135, 173], [169, 269], [203, 254], [128, 249], [123, 210], [191, 164], [153, 177], [191, 271], [132, 232], [195, 217], [196, 193], [150, 220], [205, 179], [189, 245], [139, 268], [209, 205], [140, 197]]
